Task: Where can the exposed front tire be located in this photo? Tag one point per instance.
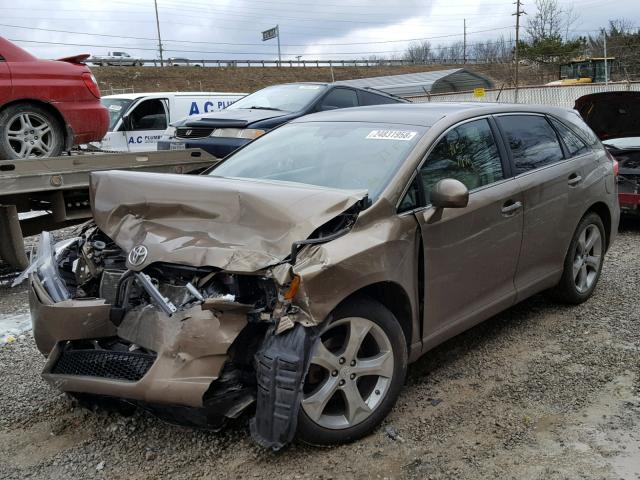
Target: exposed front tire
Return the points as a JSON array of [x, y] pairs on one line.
[[583, 263], [358, 366], [28, 130]]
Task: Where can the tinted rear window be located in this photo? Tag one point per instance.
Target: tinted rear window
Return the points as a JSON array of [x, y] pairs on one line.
[[574, 144], [532, 141], [368, 98]]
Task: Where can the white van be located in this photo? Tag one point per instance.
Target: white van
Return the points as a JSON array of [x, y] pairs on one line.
[[138, 120]]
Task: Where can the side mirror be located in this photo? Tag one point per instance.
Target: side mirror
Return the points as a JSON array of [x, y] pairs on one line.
[[449, 193]]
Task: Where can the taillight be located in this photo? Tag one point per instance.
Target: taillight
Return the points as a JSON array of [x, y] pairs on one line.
[[616, 166], [91, 83]]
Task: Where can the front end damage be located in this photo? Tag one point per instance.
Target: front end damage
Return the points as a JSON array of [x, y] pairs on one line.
[[192, 343]]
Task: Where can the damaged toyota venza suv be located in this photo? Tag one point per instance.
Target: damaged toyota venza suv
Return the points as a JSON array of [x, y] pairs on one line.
[[297, 278]]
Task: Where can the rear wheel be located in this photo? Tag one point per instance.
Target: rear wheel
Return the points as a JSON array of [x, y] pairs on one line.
[[583, 263], [357, 369], [28, 130]]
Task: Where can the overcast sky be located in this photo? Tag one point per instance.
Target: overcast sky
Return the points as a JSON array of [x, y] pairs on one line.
[[201, 29]]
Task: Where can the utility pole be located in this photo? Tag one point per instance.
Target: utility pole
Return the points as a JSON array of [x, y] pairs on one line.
[[464, 42], [606, 71], [155, 3], [519, 12]]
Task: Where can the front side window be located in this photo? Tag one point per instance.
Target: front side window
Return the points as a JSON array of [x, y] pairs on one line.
[[149, 115], [351, 155], [533, 142], [467, 153], [339, 98], [574, 145]]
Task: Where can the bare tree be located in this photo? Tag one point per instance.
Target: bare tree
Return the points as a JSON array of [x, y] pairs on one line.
[[547, 21], [418, 52]]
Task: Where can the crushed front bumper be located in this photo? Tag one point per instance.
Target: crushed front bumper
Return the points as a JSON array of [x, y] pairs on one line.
[[190, 349]]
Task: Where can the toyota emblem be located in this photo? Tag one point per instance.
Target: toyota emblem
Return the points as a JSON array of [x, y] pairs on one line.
[[138, 255]]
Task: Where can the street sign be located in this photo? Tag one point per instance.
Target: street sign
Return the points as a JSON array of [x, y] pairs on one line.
[[478, 92], [269, 34]]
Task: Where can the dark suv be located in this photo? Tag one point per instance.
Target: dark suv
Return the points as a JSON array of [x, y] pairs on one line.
[[220, 133]]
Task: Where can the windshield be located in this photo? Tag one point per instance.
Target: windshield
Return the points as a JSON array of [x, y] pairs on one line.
[[351, 156], [288, 98], [116, 108]]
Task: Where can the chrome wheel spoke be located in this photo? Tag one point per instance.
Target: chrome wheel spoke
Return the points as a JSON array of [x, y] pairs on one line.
[[591, 240], [582, 241], [25, 119], [357, 408], [577, 265], [593, 261], [315, 403], [358, 330], [324, 358], [582, 279], [380, 365], [43, 129]]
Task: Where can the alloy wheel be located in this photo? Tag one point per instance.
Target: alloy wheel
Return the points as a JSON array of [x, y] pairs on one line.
[[350, 373], [587, 258], [30, 135]]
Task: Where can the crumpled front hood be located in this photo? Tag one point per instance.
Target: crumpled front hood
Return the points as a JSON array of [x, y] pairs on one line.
[[240, 225]]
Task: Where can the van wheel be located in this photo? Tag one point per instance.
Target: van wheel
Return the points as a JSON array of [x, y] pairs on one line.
[[28, 130], [583, 263], [357, 368]]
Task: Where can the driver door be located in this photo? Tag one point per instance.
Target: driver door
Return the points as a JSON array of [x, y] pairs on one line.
[[145, 123], [470, 254]]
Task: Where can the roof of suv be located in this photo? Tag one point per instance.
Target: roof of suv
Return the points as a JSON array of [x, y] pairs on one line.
[[423, 114]]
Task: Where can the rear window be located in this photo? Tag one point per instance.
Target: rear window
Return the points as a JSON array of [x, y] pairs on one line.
[[368, 98], [574, 144], [533, 142], [583, 130]]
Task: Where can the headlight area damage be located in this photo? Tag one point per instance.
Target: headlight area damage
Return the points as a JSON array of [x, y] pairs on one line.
[[191, 307]]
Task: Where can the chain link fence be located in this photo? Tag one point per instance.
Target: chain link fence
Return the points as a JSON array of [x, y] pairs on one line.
[[555, 95]]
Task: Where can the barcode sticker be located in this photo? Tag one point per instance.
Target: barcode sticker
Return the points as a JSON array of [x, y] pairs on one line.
[[404, 135]]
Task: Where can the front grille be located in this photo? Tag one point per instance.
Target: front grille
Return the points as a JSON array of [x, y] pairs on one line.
[[104, 363], [193, 132]]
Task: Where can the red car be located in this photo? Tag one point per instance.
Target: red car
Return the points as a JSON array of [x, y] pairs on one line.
[[46, 106]]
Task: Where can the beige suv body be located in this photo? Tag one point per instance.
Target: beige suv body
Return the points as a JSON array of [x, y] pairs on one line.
[[307, 269]]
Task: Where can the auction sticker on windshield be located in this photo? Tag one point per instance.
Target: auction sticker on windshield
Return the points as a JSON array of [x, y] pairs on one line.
[[405, 135]]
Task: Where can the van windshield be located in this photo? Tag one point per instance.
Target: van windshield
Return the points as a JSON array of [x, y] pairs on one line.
[[116, 108], [289, 98]]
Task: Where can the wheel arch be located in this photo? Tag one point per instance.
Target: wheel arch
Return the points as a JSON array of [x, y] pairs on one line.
[[602, 210], [66, 130], [394, 297]]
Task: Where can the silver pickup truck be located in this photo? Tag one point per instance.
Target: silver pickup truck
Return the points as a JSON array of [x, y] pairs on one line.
[[116, 58]]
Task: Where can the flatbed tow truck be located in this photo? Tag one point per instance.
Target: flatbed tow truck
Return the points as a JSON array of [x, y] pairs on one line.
[[56, 190]]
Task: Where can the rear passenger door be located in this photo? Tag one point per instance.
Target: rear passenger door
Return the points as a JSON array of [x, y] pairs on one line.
[[551, 177]]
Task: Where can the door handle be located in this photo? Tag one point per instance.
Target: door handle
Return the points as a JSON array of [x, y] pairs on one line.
[[510, 207], [574, 179]]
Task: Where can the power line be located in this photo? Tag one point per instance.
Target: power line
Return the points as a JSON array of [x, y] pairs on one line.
[[435, 37]]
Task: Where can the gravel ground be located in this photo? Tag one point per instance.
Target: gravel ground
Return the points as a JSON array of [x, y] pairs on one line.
[[539, 391]]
